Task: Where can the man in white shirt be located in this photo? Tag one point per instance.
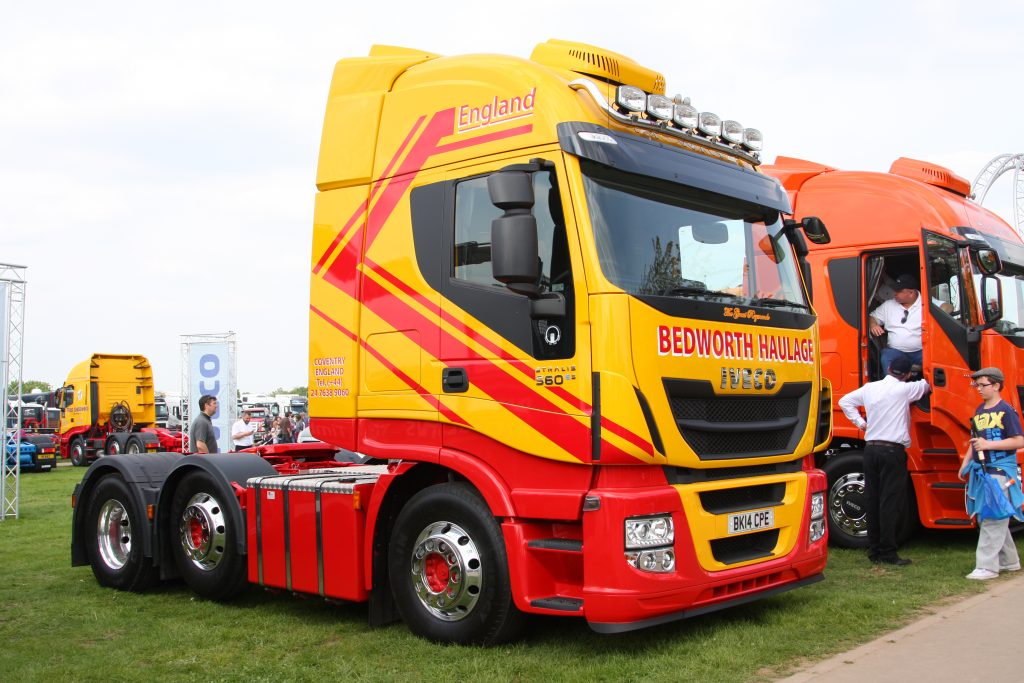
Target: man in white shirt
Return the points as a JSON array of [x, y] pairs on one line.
[[887, 435], [900, 317], [241, 432]]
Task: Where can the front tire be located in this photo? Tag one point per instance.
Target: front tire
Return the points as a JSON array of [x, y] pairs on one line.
[[449, 570], [77, 452], [204, 540], [114, 532]]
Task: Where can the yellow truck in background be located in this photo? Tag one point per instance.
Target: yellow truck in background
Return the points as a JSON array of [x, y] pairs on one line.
[[108, 407]]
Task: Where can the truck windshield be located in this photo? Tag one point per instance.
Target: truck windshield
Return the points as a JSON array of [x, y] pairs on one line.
[[161, 411], [662, 239]]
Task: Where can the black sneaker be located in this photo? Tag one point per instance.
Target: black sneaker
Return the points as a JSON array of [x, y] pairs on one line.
[[895, 560]]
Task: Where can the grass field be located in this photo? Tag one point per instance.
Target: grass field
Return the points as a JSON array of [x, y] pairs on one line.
[[57, 624]]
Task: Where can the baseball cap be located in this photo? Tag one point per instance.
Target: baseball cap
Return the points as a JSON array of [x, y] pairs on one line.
[[900, 365], [995, 373], [905, 281]]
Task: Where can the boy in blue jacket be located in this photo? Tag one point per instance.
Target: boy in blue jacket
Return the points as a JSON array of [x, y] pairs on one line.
[[997, 434]]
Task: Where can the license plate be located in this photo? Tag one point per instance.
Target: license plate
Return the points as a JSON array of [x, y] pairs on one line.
[[755, 520], [44, 456]]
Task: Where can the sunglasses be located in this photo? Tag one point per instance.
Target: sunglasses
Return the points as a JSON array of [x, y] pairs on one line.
[[905, 314]]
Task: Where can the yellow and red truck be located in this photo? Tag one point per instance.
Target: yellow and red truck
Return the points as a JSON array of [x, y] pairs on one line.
[[557, 318], [107, 407], [916, 219]]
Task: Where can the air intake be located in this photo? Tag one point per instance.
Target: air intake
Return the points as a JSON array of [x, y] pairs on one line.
[[588, 60], [931, 174]]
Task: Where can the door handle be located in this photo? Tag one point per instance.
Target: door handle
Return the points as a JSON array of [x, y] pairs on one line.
[[939, 377], [454, 380]]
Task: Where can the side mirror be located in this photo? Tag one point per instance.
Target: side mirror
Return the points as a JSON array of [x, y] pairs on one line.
[[988, 261], [815, 230], [991, 298], [514, 251]]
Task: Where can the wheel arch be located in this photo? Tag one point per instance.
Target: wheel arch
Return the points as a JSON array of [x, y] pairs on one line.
[[394, 490], [223, 470], [144, 475]]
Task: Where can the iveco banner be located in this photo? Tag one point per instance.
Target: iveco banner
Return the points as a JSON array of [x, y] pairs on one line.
[[210, 373]]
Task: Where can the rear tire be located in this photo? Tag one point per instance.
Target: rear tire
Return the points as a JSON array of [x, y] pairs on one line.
[[134, 445], [77, 452], [113, 446], [449, 571], [204, 539], [114, 529]]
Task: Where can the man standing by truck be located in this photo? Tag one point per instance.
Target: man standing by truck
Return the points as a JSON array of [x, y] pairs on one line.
[[202, 435], [900, 317], [242, 433], [887, 435]]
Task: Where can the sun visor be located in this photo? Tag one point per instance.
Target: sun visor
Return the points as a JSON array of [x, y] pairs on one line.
[[634, 154]]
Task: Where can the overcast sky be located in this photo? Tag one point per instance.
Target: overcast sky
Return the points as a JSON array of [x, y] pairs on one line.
[[157, 162]]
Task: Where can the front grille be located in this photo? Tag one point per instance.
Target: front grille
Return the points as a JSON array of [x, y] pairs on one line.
[[686, 475], [824, 416], [722, 501], [721, 427], [743, 548]]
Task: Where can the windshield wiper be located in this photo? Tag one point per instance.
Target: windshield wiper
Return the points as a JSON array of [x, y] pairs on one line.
[[691, 291], [776, 303]]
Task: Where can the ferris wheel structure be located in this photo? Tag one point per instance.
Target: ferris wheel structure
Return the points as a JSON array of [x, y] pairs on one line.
[[995, 168]]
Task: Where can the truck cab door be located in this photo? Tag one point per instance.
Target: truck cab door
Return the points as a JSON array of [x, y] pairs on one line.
[[514, 366], [950, 351]]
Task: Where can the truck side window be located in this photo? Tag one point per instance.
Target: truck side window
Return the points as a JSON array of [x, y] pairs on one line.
[[945, 287], [474, 212]]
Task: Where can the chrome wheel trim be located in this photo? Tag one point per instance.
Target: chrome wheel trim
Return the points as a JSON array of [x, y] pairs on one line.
[[446, 571], [845, 495], [202, 531], [114, 534]]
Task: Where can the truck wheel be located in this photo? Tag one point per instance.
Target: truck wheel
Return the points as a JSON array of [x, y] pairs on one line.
[[449, 571], [114, 532], [847, 505], [113, 446], [204, 540], [77, 452], [134, 445]]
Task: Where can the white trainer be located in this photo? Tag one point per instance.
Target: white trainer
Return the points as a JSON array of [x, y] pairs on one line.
[[982, 574]]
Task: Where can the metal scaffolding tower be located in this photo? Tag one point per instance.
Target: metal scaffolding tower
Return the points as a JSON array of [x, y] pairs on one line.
[[995, 168], [12, 334]]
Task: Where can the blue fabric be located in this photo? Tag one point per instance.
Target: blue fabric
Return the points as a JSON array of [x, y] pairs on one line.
[[889, 354], [995, 424], [984, 492]]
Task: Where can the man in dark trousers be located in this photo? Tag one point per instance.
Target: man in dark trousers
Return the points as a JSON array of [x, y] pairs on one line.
[[887, 435]]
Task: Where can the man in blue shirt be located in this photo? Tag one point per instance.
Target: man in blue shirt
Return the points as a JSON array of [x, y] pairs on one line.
[[996, 436]]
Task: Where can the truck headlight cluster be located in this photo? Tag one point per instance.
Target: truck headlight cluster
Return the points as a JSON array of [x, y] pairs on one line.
[[817, 525], [678, 112], [649, 543]]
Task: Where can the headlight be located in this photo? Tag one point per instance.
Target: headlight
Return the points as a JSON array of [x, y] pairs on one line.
[[659, 107], [685, 116], [732, 131], [709, 124], [752, 139], [648, 532], [657, 561], [631, 98], [817, 505]]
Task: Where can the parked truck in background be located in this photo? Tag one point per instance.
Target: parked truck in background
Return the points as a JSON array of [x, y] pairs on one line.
[[107, 407], [919, 219], [558, 320]]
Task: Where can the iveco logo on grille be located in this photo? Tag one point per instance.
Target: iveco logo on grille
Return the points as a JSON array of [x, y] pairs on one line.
[[748, 378]]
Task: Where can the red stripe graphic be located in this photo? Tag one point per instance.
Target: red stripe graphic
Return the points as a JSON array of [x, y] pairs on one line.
[[376, 187], [409, 381]]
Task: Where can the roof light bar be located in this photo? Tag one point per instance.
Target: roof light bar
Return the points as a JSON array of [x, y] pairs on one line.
[[633, 106]]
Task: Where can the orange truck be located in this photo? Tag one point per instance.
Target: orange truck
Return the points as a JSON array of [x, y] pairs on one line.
[[558, 318], [919, 219]]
